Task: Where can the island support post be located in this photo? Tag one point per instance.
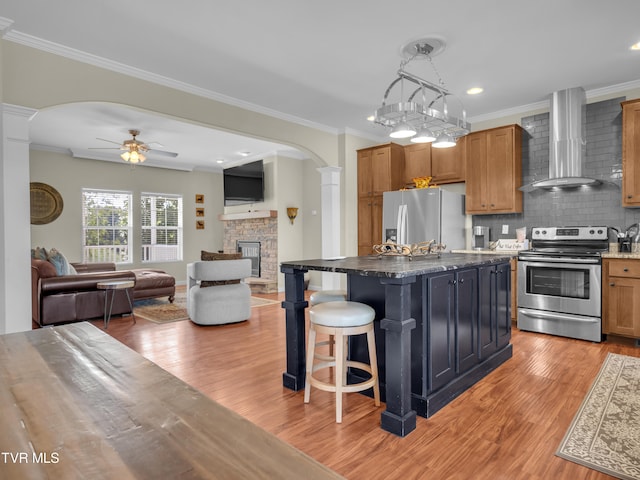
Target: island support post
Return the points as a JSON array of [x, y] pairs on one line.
[[294, 305], [398, 418]]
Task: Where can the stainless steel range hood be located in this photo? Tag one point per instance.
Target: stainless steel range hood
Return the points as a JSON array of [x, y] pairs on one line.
[[566, 141]]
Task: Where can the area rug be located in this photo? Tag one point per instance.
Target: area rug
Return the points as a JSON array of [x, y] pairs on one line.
[[159, 310], [605, 432]]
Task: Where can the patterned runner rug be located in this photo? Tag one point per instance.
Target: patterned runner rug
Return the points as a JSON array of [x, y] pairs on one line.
[[605, 432]]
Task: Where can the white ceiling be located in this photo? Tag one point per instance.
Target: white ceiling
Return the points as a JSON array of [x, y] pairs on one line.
[[325, 63]]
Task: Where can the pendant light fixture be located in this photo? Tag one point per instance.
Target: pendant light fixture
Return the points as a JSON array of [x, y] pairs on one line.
[[424, 135], [424, 114], [444, 140]]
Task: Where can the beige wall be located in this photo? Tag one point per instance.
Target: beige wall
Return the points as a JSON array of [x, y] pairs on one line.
[[69, 175], [39, 80]]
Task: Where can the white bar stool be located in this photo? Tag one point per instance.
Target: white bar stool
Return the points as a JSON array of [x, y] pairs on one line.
[[341, 319], [323, 296]]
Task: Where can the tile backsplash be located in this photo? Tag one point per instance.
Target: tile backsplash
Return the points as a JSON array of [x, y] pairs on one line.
[[599, 205]]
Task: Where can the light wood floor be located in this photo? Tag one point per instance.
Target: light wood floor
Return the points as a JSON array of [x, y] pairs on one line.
[[507, 426]]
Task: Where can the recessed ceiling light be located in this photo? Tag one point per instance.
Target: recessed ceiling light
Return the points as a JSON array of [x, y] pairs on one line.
[[635, 46], [475, 90], [371, 118], [220, 160], [245, 154]]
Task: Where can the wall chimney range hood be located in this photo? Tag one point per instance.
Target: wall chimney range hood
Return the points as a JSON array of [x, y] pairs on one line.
[[566, 142]]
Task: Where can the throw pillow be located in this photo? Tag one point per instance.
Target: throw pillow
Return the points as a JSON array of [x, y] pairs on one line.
[[212, 256], [58, 260], [39, 253]]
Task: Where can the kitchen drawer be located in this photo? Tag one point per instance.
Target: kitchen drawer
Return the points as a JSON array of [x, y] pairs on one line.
[[624, 268]]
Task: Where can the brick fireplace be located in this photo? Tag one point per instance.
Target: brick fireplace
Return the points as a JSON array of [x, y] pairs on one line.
[[259, 227]]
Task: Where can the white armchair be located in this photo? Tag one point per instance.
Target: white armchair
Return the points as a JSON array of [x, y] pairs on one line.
[[223, 302]]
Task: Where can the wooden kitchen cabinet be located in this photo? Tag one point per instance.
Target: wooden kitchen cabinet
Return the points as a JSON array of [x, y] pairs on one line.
[[621, 297], [444, 165], [417, 161], [369, 223], [448, 164], [380, 169], [494, 166], [631, 153]]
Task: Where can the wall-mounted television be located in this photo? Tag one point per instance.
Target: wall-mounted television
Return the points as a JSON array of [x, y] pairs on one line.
[[244, 183]]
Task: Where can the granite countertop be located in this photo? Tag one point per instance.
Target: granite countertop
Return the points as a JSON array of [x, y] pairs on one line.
[[397, 266], [621, 255]]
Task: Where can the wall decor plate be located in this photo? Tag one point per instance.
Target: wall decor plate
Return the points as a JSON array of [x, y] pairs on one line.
[[46, 203]]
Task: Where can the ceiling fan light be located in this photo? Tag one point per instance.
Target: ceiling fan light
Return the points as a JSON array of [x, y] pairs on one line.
[[444, 140], [125, 156], [424, 136], [403, 130]]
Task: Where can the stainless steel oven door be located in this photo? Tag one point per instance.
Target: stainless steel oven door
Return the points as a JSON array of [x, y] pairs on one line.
[[560, 286]]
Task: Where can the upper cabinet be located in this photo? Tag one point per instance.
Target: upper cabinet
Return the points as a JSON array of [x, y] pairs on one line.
[[494, 166], [631, 153], [444, 165], [380, 169], [447, 164]]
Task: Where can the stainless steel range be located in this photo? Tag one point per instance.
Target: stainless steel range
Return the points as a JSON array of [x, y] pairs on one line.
[[559, 282]]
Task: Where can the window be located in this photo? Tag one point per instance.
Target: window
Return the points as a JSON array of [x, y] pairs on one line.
[[106, 226], [161, 227]]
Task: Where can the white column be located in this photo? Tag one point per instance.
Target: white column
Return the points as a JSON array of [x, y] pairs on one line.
[[15, 219], [330, 201]]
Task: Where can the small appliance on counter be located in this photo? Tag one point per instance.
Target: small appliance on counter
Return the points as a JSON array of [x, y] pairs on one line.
[[629, 240], [481, 237]]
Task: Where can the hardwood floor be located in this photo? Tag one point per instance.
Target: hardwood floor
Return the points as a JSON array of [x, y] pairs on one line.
[[507, 426]]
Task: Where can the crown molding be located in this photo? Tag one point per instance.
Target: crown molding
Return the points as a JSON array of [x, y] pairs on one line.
[[5, 24], [544, 105], [84, 57]]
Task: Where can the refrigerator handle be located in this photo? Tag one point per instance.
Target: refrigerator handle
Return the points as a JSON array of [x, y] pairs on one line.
[[402, 224]]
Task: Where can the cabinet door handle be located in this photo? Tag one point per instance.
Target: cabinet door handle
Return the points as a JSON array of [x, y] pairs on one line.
[[625, 269], [493, 204], [461, 280], [629, 196], [612, 284]]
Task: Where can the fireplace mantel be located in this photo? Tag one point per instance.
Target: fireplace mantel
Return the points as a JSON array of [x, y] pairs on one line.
[[247, 215]]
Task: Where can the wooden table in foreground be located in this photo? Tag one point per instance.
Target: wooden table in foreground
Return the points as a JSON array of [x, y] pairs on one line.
[[75, 403], [442, 323]]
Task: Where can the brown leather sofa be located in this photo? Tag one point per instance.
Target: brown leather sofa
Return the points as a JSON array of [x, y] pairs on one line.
[[72, 298]]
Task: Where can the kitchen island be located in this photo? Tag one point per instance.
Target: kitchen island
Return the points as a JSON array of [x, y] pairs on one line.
[[442, 323]]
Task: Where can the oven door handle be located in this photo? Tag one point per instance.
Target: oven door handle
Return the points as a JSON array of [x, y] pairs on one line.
[[557, 316], [537, 259]]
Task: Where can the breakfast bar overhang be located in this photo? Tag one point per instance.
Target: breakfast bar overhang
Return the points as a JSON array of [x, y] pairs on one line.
[[443, 322]]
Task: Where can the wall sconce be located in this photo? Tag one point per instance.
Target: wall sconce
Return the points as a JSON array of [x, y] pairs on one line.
[[292, 213]]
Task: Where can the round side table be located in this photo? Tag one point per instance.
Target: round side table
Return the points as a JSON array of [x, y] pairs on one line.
[[112, 287]]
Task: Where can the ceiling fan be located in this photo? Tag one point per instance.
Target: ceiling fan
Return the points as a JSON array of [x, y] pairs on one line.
[[134, 149]]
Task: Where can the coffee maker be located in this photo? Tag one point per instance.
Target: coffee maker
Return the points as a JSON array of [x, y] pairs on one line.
[[481, 237]]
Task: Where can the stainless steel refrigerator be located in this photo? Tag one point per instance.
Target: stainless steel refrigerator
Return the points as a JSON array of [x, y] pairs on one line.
[[423, 214]]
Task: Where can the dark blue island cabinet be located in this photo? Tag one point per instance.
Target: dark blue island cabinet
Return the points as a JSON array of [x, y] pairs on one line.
[[442, 324]]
